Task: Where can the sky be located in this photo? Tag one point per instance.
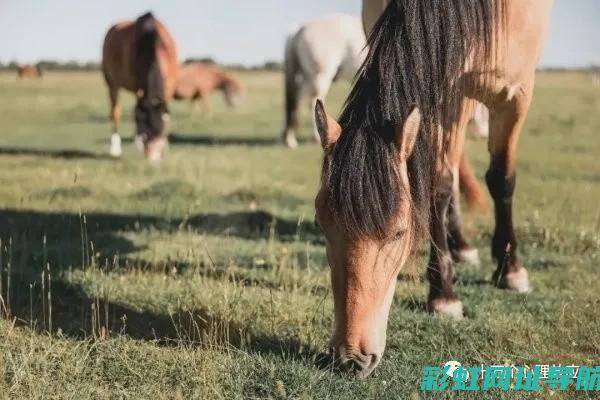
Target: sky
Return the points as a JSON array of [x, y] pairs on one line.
[[231, 31]]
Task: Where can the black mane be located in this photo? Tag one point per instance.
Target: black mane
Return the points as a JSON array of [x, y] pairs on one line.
[[151, 106], [416, 51]]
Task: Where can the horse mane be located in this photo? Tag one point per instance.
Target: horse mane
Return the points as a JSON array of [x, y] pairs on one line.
[[146, 67], [417, 50]]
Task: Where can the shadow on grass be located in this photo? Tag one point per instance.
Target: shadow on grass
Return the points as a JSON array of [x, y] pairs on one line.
[[70, 234], [64, 154], [77, 315], [202, 139]]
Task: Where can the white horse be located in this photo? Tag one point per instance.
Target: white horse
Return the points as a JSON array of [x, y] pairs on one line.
[[317, 54]]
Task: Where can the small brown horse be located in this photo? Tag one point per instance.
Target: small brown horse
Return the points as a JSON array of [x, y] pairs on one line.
[[29, 71], [196, 81], [391, 162], [140, 56]]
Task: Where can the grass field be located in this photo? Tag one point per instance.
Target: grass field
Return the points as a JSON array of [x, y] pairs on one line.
[[204, 277]]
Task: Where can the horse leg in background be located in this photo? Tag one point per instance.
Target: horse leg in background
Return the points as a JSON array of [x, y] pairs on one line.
[[469, 185], [206, 108], [440, 271], [115, 116], [194, 103], [507, 118], [460, 249], [292, 86], [318, 89]]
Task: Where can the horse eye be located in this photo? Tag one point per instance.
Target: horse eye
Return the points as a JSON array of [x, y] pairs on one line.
[[399, 234]]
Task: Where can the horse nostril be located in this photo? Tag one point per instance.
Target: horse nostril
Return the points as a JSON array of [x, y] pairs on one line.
[[374, 361], [362, 364]]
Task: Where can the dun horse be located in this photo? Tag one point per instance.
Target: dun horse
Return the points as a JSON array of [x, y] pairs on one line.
[[391, 161], [197, 81], [140, 56], [315, 56], [29, 71]]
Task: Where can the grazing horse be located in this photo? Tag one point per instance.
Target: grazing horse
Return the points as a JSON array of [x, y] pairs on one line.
[[391, 161], [140, 56], [197, 81], [29, 71], [316, 55]]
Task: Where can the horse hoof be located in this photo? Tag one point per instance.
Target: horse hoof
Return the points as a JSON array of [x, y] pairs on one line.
[[449, 308], [517, 281], [470, 255], [115, 145], [291, 142]]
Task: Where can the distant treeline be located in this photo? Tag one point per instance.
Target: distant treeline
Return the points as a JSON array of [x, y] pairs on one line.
[[591, 68], [50, 65], [56, 66], [268, 65]]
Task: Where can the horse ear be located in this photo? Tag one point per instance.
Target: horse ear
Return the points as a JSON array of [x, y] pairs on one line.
[[328, 128], [406, 134]]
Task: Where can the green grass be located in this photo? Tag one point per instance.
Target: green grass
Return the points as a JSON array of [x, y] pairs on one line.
[[214, 262]]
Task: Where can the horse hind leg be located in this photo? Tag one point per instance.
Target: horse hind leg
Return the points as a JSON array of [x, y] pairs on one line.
[[506, 121], [459, 247], [462, 172], [440, 271], [115, 116], [469, 186]]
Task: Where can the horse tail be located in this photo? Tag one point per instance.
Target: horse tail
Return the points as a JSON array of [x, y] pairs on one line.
[[291, 67], [146, 68]]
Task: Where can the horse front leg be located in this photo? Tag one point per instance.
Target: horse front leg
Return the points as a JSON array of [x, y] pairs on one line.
[[115, 116], [506, 122]]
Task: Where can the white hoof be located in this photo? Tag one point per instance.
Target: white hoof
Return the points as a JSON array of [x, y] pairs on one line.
[[517, 281], [115, 145], [469, 256], [449, 308], [291, 142]]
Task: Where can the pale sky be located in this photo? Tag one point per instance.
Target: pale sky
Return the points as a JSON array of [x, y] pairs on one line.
[[231, 31]]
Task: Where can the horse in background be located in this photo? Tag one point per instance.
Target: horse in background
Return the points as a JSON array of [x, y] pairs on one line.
[[197, 81], [29, 71], [595, 74], [316, 54], [140, 56], [390, 162]]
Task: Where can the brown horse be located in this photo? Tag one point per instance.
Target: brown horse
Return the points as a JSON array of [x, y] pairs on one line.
[[29, 71], [196, 81], [391, 162], [140, 56]]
